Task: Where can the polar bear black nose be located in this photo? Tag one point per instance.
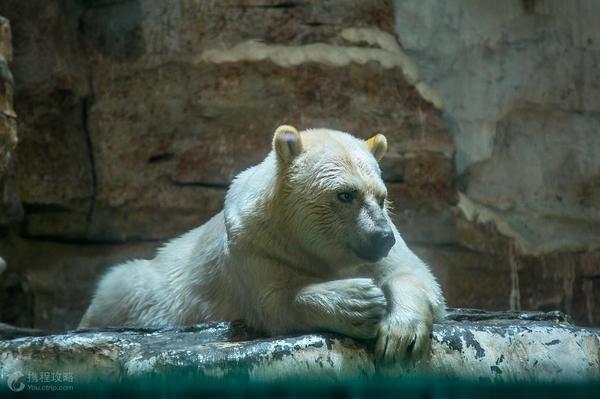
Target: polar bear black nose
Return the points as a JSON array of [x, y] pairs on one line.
[[383, 240], [376, 244]]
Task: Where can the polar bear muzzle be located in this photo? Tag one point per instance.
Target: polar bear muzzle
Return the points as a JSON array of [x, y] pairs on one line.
[[377, 245]]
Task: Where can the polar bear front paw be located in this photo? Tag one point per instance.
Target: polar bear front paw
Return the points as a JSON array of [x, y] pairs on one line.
[[360, 307], [353, 307], [404, 337]]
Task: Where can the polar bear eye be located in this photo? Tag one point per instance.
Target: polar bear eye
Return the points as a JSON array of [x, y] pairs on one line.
[[346, 196]]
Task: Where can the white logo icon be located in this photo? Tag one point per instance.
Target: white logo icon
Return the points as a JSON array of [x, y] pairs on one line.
[[15, 381]]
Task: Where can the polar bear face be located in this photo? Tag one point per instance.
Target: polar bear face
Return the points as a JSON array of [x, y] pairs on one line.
[[334, 195]]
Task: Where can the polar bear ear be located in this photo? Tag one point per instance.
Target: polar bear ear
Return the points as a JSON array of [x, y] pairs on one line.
[[287, 143], [377, 145]]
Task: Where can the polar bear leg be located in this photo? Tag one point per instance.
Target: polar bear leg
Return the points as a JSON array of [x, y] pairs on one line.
[[123, 296]]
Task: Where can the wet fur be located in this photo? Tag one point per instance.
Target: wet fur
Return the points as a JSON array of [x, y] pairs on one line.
[[278, 257]]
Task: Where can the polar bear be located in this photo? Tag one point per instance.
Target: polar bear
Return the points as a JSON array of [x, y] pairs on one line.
[[304, 243]]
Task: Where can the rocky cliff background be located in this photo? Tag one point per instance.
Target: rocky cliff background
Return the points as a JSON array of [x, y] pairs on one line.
[[133, 116]]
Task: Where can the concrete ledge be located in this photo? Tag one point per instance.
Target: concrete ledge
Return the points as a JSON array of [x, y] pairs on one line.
[[493, 346]]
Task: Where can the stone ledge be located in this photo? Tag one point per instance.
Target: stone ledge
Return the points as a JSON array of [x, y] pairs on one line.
[[494, 346]]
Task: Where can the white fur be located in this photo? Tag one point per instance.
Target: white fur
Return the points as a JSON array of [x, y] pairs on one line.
[[278, 257]]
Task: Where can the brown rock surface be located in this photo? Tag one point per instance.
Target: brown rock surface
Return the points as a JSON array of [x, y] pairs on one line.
[[180, 107], [53, 170], [9, 206], [140, 141], [134, 117], [56, 280]]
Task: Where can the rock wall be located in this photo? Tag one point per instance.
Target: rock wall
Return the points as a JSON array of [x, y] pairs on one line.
[[9, 206], [520, 85], [134, 116], [15, 296]]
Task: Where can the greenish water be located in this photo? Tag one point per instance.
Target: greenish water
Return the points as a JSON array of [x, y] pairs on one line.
[[416, 387]]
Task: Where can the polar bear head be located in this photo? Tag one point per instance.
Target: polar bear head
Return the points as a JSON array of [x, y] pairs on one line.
[[332, 194]]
